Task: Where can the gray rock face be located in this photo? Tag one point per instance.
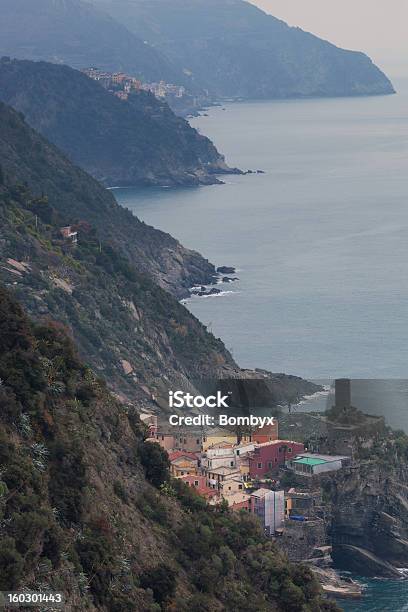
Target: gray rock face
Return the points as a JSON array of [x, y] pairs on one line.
[[369, 526]]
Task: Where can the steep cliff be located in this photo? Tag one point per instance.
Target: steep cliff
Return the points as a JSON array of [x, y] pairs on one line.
[[108, 289], [369, 522], [138, 141], [28, 158], [129, 329], [234, 49], [87, 507]]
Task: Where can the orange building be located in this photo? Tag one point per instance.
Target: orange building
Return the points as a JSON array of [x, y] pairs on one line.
[[268, 433]]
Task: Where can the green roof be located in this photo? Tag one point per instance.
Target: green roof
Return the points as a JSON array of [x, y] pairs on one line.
[[310, 461]]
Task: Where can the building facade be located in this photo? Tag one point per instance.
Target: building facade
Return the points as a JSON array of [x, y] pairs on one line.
[[267, 457], [269, 507], [308, 464]]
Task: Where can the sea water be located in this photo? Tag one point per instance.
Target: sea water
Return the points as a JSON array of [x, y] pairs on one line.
[[320, 242]]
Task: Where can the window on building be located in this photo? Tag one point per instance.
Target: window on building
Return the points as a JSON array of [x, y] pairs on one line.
[[289, 450], [259, 465], [196, 483], [231, 463], [198, 441], [270, 464], [237, 452], [280, 449], [239, 486]]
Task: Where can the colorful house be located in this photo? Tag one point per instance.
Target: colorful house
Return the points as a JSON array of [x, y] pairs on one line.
[[301, 503], [310, 464], [269, 456], [238, 501], [183, 463], [199, 483], [189, 440], [231, 486], [215, 436], [219, 460], [268, 433], [218, 476], [166, 440], [150, 420], [242, 454]]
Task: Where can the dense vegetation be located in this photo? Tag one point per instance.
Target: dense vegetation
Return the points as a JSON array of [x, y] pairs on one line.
[[115, 312], [26, 157], [119, 142], [77, 515], [105, 290], [233, 49]]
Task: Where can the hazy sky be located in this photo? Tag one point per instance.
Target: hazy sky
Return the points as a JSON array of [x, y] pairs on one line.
[[377, 27]]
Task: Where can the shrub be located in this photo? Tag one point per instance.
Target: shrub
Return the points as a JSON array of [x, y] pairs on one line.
[[155, 462], [161, 580], [67, 481], [11, 565], [97, 559], [120, 491]]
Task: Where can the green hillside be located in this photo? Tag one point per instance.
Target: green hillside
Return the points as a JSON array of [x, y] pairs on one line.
[[83, 511], [120, 142], [27, 157]]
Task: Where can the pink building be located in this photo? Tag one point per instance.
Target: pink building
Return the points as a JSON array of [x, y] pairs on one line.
[[199, 483], [267, 457]]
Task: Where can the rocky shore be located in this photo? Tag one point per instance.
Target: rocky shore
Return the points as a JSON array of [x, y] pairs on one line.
[[360, 511], [337, 586], [218, 278]]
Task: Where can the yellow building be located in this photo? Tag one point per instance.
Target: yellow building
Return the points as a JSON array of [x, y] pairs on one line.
[[216, 436], [183, 464]]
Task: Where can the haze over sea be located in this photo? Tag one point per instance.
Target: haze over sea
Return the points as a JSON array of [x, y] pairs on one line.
[[320, 242]]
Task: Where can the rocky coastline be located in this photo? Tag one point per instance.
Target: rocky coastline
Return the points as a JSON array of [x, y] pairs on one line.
[[223, 275], [358, 516]]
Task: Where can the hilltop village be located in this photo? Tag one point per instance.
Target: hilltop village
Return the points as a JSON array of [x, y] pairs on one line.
[[122, 85]]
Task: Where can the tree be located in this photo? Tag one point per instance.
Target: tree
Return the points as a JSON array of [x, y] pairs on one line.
[[161, 580], [155, 462]]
